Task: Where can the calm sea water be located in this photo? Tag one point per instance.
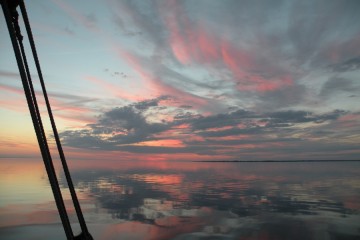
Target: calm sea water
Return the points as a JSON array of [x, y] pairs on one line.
[[174, 200]]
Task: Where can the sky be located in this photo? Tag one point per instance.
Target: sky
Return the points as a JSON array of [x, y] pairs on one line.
[[190, 80]]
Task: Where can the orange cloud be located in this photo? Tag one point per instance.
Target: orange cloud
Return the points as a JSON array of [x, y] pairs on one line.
[[165, 179], [162, 143]]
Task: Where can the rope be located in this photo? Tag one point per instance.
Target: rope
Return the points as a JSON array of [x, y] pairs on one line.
[[11, 16]]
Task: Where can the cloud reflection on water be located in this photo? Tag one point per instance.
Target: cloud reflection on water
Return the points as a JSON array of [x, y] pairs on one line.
[[187, 200], [229, 200]]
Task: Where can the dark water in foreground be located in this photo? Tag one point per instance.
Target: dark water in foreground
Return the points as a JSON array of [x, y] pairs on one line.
[[163, 200]]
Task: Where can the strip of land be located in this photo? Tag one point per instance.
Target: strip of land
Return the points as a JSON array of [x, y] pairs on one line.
[[276, 161]]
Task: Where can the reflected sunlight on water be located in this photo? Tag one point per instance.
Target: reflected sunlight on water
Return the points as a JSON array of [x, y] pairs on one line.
[[191, 200]]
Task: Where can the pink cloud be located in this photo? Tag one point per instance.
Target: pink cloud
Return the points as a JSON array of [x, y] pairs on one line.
[[62, 109], [349, 120], [242, 65], [151, 82], [18, 105], [191, 42], [168, 142], [114, 89], [156, 84], [207, 45], [340, 51], [77, 115], [16, 101], [11, 89]]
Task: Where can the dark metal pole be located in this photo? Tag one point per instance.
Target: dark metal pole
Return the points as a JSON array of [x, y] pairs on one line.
[[36, 119], [56, 135]]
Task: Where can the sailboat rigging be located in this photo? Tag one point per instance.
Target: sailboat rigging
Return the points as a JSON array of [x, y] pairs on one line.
[[11, 16]]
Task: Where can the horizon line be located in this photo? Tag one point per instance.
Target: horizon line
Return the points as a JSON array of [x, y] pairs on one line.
[[270, 161]]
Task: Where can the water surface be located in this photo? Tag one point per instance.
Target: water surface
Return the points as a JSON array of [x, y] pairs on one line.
[[187, 200]]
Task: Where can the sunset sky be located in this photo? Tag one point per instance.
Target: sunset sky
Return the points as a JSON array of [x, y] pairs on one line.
[[190, 80]]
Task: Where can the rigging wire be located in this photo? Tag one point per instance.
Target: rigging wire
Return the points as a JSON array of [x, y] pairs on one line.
[[56, 135], [11, 16]]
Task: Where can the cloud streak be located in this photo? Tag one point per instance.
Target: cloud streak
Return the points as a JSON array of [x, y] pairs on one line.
[[207, 79], [233, 135]]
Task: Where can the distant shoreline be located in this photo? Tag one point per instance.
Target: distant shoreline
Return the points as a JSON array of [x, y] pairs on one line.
[[275, 161]]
